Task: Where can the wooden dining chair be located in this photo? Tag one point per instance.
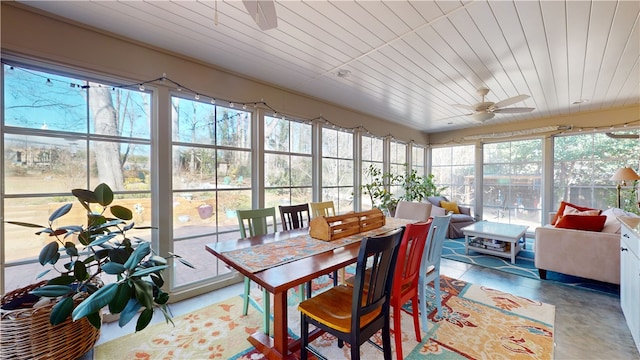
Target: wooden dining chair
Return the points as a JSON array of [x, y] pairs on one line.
[[430, 265], [349, 313], [405, 279], [257, 222], [294, 216], [324, 208]]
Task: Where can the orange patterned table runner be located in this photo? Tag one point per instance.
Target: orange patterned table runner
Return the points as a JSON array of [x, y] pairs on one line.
[[265, 256]]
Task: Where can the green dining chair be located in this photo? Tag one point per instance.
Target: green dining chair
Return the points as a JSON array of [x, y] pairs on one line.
[[257, 222]]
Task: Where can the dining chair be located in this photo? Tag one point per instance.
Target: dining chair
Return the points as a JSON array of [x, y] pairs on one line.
[[430, 265], [405, 279], [294, 216], [258, 222], [324, 208], [349, 313], [412, 210]]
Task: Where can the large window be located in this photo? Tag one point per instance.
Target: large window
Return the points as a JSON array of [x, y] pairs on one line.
[[454, 169], [60, 133], [211, 179], [512, 173], [287, 162], [583, 165], [337, 168]]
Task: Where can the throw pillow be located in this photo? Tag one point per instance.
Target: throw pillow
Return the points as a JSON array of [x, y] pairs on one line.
[[582, 222], [570, 210], [560, 211], [450, 206]]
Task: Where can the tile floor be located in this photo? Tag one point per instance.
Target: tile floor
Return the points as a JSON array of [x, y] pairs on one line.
[[588, 325]]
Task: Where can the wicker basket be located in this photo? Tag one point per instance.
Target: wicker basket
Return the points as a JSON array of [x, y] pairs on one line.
[[27, 333]]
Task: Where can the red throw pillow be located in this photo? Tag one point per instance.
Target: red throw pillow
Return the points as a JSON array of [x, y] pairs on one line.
[[582, 222], [561, 210]]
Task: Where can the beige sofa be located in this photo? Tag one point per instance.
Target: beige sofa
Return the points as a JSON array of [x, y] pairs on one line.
[[587, 254]]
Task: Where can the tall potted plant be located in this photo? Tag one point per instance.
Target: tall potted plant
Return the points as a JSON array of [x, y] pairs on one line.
[[418, 188], [103, 247], [414, 186]]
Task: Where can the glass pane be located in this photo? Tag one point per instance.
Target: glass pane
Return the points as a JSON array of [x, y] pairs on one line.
[[193, 121], [300, 138], [301, 170], [228, 202], [345, 173], [233, 127], [234, 168], [276, 134], [329, 143], [366, 148], [120, 164], [344, 203], [417, 157], [194, 213], [345, 145], [441, 156], [37, 100], [119, 112], [330, 172], [38, 164], [463, 155], [276, 170], [193, 250], [194, 167]]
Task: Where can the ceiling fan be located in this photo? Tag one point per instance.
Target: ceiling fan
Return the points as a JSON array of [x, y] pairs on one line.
[[263, 12], [485, 110]]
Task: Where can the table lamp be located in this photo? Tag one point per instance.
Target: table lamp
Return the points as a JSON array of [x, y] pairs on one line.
[[622, 175]]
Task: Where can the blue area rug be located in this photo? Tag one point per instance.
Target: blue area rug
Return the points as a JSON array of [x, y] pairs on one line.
[[453, 249]]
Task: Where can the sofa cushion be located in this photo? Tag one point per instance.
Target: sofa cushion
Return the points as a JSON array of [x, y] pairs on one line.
[[560, 211], [582, 222], [450, 206]]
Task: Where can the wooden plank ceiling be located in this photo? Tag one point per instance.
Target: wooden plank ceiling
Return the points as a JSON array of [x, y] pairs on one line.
[[409, 61]]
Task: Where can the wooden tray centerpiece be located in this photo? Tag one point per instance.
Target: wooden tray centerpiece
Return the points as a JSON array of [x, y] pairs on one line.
[[329, 228]]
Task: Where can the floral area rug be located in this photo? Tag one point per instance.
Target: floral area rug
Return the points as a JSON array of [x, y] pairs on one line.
[[453, 249], [477, 323]]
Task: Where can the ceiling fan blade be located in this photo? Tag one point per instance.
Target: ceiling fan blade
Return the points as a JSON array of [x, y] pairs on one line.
[[263, 13], [466, 107], [514, 110], [510, 101]]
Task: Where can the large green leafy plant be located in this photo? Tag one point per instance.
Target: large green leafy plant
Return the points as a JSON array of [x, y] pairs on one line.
[[414, 186], [106, 249]]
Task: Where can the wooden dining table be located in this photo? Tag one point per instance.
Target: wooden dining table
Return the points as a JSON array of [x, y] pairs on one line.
[[278, 279]]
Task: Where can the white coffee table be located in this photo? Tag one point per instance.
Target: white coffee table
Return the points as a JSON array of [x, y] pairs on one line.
[[509, 233]]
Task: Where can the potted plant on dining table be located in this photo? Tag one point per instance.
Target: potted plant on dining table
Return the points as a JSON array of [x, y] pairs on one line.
[[70, 304]]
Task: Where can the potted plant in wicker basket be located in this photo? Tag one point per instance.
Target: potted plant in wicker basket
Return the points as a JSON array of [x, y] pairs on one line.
[[70, 304]]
